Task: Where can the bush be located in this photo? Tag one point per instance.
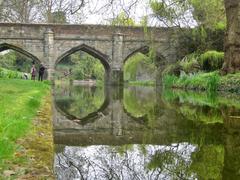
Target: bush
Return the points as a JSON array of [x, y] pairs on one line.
[[200, 81], [9, 74], [190, 64], [172, 69], [211, 60]]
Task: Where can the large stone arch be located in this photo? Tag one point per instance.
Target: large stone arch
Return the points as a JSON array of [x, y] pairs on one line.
[[142, 49], [159, 59], [6, 46], [91, 117], [90, 50]]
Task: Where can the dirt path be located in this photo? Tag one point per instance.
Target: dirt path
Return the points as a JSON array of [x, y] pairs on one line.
[[38, 146]]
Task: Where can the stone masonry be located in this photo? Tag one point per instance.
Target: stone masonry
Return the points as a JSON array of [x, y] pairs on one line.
[[112, 45]]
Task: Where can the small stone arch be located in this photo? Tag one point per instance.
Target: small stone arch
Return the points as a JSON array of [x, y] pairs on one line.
[[90, 50], [6, 46]]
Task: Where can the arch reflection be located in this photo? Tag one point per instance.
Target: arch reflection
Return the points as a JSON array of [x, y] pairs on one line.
[[82, 104]]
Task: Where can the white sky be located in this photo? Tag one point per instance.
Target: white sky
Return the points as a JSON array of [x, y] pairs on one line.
[[106, 13], [101, 14]]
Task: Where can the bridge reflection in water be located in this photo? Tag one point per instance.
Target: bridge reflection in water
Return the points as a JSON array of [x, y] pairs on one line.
[[139, 133]]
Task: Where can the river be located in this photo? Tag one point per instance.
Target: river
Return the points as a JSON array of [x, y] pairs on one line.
[[145, 133]]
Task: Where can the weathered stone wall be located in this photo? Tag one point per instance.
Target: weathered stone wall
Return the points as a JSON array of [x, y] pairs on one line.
[[112, 45]]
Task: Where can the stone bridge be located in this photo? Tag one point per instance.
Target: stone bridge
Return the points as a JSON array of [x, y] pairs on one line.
[[49, 43]]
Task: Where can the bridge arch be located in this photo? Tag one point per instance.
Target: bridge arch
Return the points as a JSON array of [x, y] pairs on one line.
[[91, 117], [90, 50], [6, 46], [143, 50]]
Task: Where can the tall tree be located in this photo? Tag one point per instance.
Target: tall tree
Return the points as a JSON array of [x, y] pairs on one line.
[[232, 40], [24, 11], [122, 20], [209, 13]]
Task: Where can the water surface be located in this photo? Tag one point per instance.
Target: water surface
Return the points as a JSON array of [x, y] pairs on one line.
[[144, 133]]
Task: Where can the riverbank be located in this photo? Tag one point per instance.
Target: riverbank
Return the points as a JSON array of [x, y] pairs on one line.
[[204, 82], [20, 103]]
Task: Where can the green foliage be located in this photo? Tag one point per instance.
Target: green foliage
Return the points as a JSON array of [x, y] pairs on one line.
[[230, 82], [204, 81], [201, 39], [211, 60], [209, 13], [16, 61], [5, 73], [138, 107], [82, 66], [213, 82], [169, 81], [172, 69], [195, 63], [79, 101], [8, 60], [169, 12], [59, 17], [200, 81], [208, 162], [20, 100], [190, 64], [122, 20], [131, 66]]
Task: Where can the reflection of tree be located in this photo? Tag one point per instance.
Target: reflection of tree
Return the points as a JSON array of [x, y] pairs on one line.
[[202, 107], [208, 162], [83, 100], [173, 161], [104, 162], [139, 101]]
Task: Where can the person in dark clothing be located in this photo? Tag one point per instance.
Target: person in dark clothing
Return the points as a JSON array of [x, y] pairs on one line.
[[41, 72]]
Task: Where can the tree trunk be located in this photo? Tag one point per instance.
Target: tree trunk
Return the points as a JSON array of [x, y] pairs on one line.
[[232, 39]]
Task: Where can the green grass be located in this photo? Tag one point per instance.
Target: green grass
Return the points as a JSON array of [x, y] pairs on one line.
[[210, 82], [20, 100], [200, 81]]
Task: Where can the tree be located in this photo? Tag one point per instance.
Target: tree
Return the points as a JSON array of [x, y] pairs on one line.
[[122, 20], [170, 13], [209, 13], [23, 11], [232, 39]]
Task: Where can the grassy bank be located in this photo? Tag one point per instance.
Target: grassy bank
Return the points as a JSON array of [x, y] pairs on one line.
[[20, 101], [211, 81]]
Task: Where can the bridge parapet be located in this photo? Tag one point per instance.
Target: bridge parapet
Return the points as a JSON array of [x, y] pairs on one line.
[[111, 44]]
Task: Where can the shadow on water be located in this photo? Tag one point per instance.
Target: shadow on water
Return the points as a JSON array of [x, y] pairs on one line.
[[141, 133]]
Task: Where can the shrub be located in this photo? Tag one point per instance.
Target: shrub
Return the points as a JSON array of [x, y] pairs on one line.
[[172, 69], [190, 64], [211, 60], [9, 74]]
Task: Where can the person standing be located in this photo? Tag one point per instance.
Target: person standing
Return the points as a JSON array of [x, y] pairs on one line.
[[33, 72], [41, 72]]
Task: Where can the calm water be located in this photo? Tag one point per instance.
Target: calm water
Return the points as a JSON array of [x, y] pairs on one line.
[[144, 133]]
